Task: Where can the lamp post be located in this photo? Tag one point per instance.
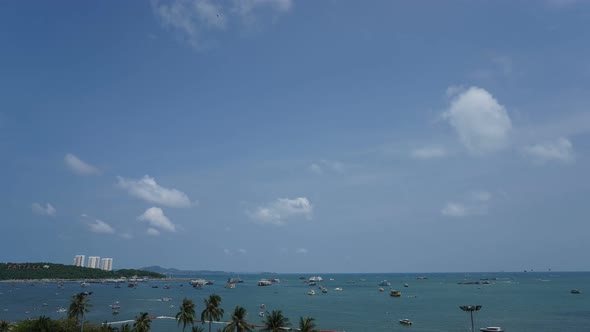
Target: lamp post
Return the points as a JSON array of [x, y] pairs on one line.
[[471, 309]]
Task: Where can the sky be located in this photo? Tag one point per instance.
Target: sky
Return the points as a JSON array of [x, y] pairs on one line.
[[297, 136]]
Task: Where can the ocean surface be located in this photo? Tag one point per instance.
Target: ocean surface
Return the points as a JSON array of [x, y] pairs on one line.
[[539, 302]]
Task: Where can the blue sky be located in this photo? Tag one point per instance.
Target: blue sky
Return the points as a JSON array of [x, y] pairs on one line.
[[297, 136]]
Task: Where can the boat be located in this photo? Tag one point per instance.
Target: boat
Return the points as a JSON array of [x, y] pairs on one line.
[[230, 285], [165, 299], [381, 289], [61, 310], [311, 292], [405, 321], [263, 306], [155, 286], [384, 283], [421, 278], [115, 312], [324, 290], [264, 282], [167, 286], [199, 282], [262, 314], [575, 291], [235, 280], [83, 284], [406, 285], [316, 278], [115, 306], [395, 293], [492, 329], [338, 289], [312, 283]]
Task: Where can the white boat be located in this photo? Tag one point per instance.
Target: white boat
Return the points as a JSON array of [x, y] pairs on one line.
[[264, 282], [316, 278], [492, 329], [381, 289], [199, 282], [230, 286], [384, 283], [61, 310], [338, 289], [406, 285], [83, 284], [311, 292], [405, 321], [165, 299], [261, 314]]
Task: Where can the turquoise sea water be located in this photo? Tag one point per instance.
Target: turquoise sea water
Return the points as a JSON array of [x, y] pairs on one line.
[[539, 302]]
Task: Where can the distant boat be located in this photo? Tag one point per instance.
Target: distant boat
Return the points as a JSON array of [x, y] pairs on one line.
[[406, 285], [167, 286], [575, 291], [166, 299], [405, 321], [316, 278], [492, 329], [311, 292], [262, 314], [395, 293], [115, 306], [264, 282], [155, 286], [381, 289], [421, 278], [338, 289], [384, 283], [83, 284], [230, 285]]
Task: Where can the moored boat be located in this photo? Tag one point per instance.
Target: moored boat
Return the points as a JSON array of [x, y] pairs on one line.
[[491, 329], [405, 321], [311, 292], [395, 293]]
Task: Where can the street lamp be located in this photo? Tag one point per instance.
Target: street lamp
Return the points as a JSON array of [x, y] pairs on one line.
[[471, 309]]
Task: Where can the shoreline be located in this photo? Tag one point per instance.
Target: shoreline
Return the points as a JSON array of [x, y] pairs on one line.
[[94, 281]]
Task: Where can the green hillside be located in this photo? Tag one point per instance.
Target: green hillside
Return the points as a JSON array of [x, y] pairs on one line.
[[60, 271]]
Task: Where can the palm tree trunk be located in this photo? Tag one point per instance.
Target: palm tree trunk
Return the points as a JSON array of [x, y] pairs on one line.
[[472, 321], [209, 325]]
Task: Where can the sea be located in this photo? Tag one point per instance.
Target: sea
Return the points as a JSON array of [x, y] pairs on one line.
[[517, 302]]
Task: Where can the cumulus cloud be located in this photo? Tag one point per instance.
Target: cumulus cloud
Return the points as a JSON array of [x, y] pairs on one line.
[[156, 218], [153, 232], [301, 251], [79, 166], [324, 166], [483, 125], [560, 150], [47, 210], [99, 226], [429, 153], [148, 189], [194, 19], [281, 210]]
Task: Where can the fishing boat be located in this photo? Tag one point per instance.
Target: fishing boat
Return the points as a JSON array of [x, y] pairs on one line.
[[575, 291], [395, 293], [491, 329], [311, 292], [264, 282], [384, 283]]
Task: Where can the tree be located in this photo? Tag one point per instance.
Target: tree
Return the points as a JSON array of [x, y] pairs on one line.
[[275, 322], [5, 326], [212, 310], [238, 321], [186, 314], [307, 324], [79, 307], [142, 323], [470, 309], [125, 328], [197, 329], [43, 324]]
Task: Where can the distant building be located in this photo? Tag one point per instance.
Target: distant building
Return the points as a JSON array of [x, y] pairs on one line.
[[79, 260], [94, 262], [107, 264]]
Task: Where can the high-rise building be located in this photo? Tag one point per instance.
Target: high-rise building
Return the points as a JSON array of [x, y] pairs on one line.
[[79, 260], [94, 262], [107, 264]]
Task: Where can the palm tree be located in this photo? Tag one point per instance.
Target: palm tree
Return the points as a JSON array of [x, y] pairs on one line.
[[212, 310], [43, 324], [142, 323], [307, 324], [238, 321], [275, 322], [5, 326], [186, 315], [197, 329], [79, 307], [125, 328]]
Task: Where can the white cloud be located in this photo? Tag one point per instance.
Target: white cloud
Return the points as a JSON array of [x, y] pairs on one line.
[[78, 166], [483, 125], [156, 218], [153, 232], [559, 150], [242, 251], [454, 210], [99, 226], [227, 252], [193, 20], [47, 210], [148, 189], [325, 165], [481, 196], [281, 210], [301, 251], [429, 153]]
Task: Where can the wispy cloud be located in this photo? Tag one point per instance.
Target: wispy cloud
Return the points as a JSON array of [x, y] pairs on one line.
[[193, 20], [79, 166], [476, 203], [483, 125], [148, 189], [156, 218], [432, 152], [99, 226], [281, 210], [324, 166], [301, 251], [47, 210], [560, 150], [153, 232]]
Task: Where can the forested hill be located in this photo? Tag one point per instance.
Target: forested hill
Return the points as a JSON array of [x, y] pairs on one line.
[[60, 271]]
